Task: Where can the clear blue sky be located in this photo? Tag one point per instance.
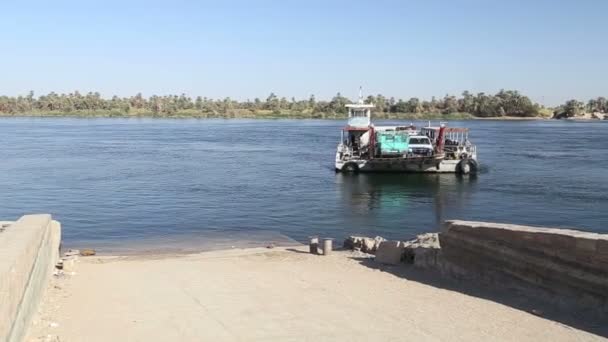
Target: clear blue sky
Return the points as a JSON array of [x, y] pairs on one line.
[[549, 50]]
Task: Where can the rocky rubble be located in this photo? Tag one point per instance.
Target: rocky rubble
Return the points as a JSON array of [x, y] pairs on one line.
[[423, 251], [363, 244]]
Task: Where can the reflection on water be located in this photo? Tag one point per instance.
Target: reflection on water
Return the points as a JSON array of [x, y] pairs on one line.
[[403, 195]]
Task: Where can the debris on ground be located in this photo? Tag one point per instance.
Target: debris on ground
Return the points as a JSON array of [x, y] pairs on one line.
[[49, 338], [72, 252], [87, 252]]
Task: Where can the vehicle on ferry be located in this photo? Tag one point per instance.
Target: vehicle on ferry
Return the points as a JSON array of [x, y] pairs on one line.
[[365, 147]]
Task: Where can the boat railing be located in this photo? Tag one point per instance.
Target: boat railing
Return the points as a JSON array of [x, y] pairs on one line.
[[348, 151]]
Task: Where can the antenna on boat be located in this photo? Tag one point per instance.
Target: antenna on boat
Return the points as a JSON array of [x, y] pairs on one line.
[[360, 95]]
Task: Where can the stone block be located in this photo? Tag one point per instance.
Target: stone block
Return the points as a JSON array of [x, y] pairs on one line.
[[570, 265], [426, 257], [586, 245], [390, 252], [602, 247]]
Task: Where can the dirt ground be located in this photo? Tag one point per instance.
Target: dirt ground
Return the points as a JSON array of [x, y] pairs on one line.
[[280, 294]]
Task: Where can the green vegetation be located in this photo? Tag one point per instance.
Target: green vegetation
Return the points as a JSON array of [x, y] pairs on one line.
[[574, 108], [504, 103]]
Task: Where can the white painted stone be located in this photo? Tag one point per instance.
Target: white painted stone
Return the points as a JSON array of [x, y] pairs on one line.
[[390, 252]]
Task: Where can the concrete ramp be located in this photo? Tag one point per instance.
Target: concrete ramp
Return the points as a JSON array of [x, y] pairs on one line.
[[29, 249]]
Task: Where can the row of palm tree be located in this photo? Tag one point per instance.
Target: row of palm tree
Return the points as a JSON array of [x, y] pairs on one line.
[[503, 103]]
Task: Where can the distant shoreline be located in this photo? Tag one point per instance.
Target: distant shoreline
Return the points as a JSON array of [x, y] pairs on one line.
[[292, 116], [515, 118], [320, 116], [504, 105]]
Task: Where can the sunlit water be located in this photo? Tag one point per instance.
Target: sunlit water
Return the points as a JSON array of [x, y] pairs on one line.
[[118, 183]]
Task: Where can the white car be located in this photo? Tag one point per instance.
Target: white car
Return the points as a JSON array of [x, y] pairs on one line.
[[419, 145]]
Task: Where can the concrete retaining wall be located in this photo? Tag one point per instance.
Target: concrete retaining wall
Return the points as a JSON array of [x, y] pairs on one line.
[[568, 265], [29, 249]]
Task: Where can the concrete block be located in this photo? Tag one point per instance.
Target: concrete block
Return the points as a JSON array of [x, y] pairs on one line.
[[556, 241], [426, 257], [586, 245], [390, 252], [28, 253], [570, 265], [602, 247]]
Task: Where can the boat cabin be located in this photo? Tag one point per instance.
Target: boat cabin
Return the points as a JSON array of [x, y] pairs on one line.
[[359, 114]]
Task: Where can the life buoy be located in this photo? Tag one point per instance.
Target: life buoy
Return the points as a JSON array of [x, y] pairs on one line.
[[350, 167], [467, 166]]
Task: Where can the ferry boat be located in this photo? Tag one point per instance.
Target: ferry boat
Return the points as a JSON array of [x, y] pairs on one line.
[[365, 147]]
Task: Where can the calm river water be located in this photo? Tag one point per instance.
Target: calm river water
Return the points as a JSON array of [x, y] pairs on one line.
[[120, 183]]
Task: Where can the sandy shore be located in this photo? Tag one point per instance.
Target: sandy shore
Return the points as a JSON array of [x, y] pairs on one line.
[[270, 295], [513, 118]]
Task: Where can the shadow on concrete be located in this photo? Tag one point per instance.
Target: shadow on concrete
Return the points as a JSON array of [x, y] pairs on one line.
[[514, 298], [293, 250]]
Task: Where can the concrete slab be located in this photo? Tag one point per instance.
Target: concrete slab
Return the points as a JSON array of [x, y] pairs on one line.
[[29, 249]]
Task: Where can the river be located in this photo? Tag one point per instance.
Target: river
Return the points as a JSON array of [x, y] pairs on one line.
[[150, 183]]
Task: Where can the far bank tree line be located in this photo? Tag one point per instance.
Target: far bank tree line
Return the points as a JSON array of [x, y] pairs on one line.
[[503, 103], [573, 108]]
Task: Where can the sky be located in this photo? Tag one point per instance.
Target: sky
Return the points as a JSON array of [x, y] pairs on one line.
[[551, 51]]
